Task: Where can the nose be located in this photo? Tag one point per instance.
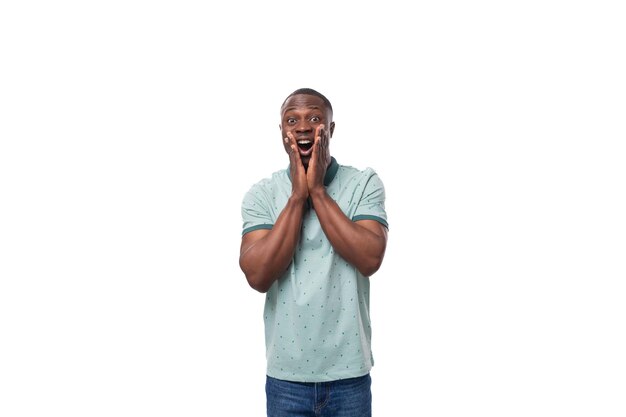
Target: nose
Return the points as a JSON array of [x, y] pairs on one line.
[[303, 126]]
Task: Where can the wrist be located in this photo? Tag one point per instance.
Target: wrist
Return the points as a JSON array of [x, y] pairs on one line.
[[318, 193], [297, 199]]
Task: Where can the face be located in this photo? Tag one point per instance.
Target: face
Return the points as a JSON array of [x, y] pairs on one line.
[[301, 115]]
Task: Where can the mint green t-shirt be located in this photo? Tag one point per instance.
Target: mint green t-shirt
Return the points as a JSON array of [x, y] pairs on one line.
[[317, 321]]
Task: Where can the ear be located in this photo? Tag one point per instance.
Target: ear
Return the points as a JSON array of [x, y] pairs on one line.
[[332, 128]]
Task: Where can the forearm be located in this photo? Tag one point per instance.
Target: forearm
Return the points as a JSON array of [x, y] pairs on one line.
[[263, 261], [358, 245]]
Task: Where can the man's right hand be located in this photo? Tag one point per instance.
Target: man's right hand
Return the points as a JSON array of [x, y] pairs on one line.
[[299, 186]]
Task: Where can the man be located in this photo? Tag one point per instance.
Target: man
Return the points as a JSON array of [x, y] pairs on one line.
[[313, 234]]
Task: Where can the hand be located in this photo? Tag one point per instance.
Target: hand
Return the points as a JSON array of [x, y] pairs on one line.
[[320, 159], [296, 168]]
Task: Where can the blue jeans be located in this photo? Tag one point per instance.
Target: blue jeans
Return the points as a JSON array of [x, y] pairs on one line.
[[350, 397]]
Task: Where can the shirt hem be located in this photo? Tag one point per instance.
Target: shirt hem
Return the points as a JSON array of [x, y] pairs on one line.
[[370, 217], [257, 227], [326, 377]]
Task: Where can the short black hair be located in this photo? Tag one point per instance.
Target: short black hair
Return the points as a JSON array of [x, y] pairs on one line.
[[310, 92]]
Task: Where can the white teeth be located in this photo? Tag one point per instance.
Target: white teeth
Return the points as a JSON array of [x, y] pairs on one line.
[[302, 142]]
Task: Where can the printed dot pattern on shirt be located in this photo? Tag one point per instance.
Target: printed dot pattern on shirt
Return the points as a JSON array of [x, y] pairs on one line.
[[317, 324]]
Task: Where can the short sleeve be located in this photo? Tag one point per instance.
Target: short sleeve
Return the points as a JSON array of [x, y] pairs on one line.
[[255, 212], [372, 203]]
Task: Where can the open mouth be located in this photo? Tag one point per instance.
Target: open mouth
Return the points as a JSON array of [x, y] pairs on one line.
[[305, 145]]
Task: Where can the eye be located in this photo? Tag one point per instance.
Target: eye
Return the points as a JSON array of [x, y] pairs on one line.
[[291, 120], [315, 119]]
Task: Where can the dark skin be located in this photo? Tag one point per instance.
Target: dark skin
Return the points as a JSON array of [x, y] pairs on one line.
[[266, 254]]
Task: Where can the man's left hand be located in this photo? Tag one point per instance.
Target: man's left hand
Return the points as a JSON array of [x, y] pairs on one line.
[[320, 159]]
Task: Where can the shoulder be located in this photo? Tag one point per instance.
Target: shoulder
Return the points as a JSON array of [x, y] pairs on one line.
[[348, 173], [268, 184]]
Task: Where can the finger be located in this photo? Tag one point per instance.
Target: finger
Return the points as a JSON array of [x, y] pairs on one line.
[[289, 140], [319, 132], [292, 139], [318, 140], [314, 152], [294, 155]]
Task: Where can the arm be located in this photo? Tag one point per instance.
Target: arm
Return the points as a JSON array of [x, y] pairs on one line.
[[361, 243], [265, 254]]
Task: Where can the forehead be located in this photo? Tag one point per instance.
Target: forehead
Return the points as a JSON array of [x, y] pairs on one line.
[[303, 102]]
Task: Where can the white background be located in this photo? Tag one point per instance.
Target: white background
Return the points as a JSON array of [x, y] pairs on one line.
[[130, 131]]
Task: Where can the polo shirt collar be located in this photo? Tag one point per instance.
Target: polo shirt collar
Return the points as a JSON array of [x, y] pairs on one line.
[[331, 171]]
